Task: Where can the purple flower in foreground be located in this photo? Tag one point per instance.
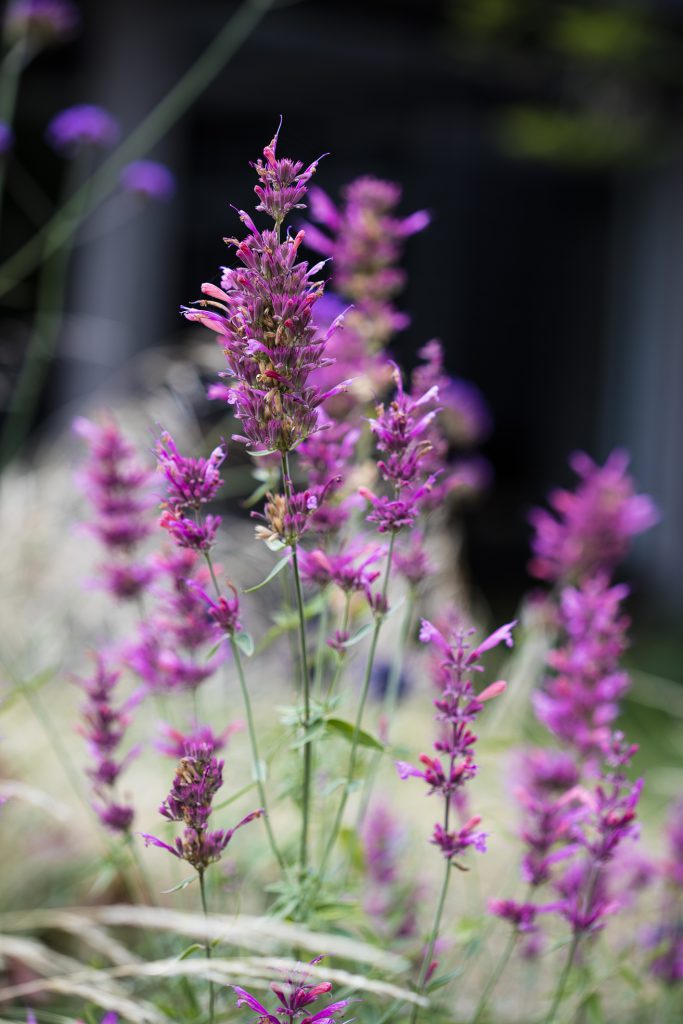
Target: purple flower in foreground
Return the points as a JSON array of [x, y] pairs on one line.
[[149, 180], [590, 529], [263, 315], [6, 138], [41, 22], [87, 125], [457, 708], [187, 533], [294, 997], [198, 778]]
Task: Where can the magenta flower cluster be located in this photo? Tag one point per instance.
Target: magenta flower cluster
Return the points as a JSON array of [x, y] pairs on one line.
[[198, 778], [457, 706], [294, 997], [263, 314]]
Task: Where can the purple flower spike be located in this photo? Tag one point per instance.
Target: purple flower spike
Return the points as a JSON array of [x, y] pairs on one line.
[[590, 530], [190, 483], [263, 314], [198, 778], [148, 180], [457, 708], [294, 996], [78, 127]]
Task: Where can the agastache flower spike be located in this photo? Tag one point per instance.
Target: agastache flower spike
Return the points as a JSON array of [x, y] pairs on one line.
[[198, 778], [263, 314], [294, 997], [590, 529], [190, 483], [457, 707]]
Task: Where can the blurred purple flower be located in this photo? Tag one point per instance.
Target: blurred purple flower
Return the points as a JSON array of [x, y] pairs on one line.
[[78, 127], [6, 138], [41, 22], [149, 180]]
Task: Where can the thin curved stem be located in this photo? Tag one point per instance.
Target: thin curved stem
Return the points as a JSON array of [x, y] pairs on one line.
[[306, 686], [379, 618], [564, 978], [150, 130], [422, 980], [254, 752], [207, 943], [497, 974]]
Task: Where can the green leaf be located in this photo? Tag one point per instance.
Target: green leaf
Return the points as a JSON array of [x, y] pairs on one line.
[[277, 568], [196, 947], [215, 647], [181, 885], [592, 1009], [235, 796], [259, 493], [245, 643], [359, 635], [347, 730], [444, 979], [316, 730]]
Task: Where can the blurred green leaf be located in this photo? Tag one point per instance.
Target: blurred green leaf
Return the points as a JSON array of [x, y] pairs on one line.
[[347, 730]]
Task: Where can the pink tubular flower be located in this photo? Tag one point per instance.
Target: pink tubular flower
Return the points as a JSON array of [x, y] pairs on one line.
[[294, 997], [590, 529], [176, 744], [349, 570], [457, 708], [263, 314], [190, 483]]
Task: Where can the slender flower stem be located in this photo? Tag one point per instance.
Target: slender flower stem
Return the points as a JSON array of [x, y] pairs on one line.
[[321, 648], [207, 943], [390, 702], [341, 656], [564, 978], [256, 760], [306, 686], [150, 130], [495, 977], [379, 618], [10, 72], [254, 752], [432, 940]]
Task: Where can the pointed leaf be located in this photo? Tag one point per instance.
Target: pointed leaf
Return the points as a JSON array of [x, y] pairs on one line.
[[245, 643], [277, 568], [181, 885], [359, 635], [347, 730], [194, 948]]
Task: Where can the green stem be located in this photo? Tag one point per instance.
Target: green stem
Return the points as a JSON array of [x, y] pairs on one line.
[[10, 73], [321, 649], [495, 977], [254, 752], [432, 940], [207, 943], [306, 687], [150, 130], [390, 703], [44, 336], [256, 760], [341, 655], [564, 978], [379, 618]]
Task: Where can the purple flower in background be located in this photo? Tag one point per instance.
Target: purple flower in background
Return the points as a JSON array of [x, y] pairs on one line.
[[149, 180], [78, 127], [294, 996], [117, 487], [187, 533], [6, 138], [41, 22], [351, 570], [457, 708], [190, 482], [198, 778], [366, 240], [176, 744], [590, 529], [412, 561], [104, 728], [263, 315], [580, 703], [522, 916]]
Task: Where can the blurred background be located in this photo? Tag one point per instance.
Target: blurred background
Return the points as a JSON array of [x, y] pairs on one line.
[[543, 137]]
